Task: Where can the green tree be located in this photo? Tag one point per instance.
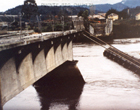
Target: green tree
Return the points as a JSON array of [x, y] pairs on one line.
[[85, 14], [123, 14], [29, 8], [80, 13]]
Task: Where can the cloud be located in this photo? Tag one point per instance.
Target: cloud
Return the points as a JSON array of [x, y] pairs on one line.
[[7, 4]]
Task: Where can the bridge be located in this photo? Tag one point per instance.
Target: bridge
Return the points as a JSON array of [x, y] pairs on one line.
[[26, 59]]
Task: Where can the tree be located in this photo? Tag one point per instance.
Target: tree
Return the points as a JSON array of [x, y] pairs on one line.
[[80, 13], [123, 14], [29, 8], [85, 15]]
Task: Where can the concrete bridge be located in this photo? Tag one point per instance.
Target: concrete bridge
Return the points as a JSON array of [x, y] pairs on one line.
[[25, 60]]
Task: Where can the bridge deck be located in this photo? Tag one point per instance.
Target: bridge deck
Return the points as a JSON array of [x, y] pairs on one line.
[[15, 41]]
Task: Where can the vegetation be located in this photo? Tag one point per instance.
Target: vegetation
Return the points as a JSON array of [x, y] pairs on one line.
[[80, 13], [122, 14], [29, 8], [47, 10], [84, 14], [127, 28], [57, 27]]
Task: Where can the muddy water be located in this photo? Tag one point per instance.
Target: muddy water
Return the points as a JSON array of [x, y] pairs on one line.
[[108, 85]]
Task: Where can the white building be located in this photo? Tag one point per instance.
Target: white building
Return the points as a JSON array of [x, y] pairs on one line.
[[137, 17], [113, 16]]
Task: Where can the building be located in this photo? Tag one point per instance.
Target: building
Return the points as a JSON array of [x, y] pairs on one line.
[[137, 17], [100, 16], [113, 16], [101, 29]]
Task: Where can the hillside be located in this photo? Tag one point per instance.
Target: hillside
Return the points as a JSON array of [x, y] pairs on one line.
[[75, 9], [133, 11], [106, 7], [131, 3], [46, 10]]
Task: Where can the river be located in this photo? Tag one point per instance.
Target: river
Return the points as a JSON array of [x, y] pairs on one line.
[[108, 85]]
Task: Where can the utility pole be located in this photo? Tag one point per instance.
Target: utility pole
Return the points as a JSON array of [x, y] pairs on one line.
[[71, 20], [38, 20], [52, 22], [20, 21], [63, 23]]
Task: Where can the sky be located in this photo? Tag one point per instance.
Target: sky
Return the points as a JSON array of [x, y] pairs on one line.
[[7, 4]]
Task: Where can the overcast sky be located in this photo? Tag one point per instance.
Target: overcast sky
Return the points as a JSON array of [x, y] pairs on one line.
[[7, 4]]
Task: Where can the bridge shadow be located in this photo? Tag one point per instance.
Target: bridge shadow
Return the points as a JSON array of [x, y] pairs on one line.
[[60, 88]]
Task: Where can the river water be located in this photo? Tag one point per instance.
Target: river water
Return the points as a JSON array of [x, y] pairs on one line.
[[108, 85]]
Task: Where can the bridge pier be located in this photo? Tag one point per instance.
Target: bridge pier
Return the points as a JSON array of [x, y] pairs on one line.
[[22, 66]]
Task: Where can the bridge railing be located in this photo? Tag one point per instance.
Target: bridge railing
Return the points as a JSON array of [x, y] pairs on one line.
[[14, 41]]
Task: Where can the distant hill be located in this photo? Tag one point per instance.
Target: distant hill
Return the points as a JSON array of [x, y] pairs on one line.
[[133, 11], [75, 9], [106, 7], [118, 6], [131, 3], [13, 11], [46, 10]]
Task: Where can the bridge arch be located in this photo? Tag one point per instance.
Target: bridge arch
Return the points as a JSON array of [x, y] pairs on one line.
[[9, 81], [26, 64], [50, 59], [39, 65]]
